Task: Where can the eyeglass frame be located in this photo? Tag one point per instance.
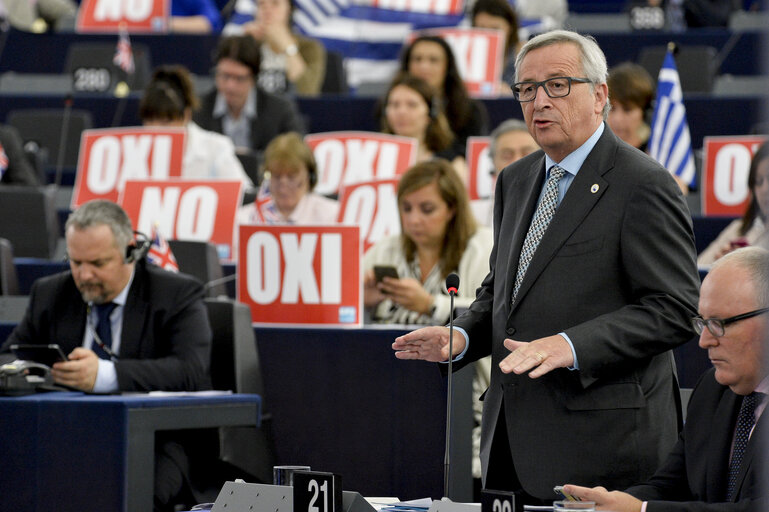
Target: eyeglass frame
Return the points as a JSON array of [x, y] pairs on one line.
[[537, 85], [699, 324]]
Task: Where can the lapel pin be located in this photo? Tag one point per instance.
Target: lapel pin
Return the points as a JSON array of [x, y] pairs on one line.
[[594, 188]]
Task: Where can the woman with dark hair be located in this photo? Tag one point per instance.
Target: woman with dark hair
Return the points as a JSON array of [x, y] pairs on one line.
[[439, 236], [411, 109], [431, 59], [168, 101], [751, 229], [499, 15], [631, 91]]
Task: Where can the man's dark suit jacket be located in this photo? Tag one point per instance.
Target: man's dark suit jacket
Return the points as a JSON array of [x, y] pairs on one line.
[[274, 115], [166, 338], [19, 171], [693, 479], [616, 272]]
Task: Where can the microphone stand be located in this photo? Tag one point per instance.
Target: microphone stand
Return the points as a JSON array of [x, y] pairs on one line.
[[447, 454]]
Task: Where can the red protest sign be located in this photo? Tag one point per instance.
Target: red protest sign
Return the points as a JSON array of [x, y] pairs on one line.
[[108, 157], [480, 168], [294, 274], [373, 207], [135, 16], [450, 7], [725, 176], [351, 157], [478, 52], [202, 210]]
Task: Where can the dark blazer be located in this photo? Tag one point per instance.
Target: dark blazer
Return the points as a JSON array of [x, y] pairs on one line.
[[693, 479], [274, 115], [19, 171], [165, 341], [616, 271]]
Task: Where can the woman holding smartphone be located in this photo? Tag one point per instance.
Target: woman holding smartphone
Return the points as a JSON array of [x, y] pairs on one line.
[[438, 236]]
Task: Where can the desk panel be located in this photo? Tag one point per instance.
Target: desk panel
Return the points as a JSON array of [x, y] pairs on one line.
[[74, 452]]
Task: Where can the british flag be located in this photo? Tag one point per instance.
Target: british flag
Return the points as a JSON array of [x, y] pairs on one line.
[[124, 55], [160, 253], [3, 161]]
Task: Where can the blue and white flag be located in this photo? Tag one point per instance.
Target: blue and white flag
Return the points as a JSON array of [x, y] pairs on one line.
[[670, 142]]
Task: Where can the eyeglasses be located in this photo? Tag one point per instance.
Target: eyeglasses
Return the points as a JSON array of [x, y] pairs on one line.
[[556, 87], [717, 326], [224, 76]]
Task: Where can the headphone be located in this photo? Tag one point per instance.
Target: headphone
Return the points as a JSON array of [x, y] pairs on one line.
[[139, 249]]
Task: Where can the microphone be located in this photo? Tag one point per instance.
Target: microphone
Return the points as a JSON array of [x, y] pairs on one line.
[[452, 286], [65, 121], [219, 281]]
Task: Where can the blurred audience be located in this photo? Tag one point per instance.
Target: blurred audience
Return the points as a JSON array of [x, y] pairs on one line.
[[552, 12], [250, 116], [510, 141], [431, 59], [751, 228], [169, 101], [37, 15], [412, 109], [195, 17], [499, 15], [290, 63], [631, 92], [438, 236], [15, 168], [286, 196]]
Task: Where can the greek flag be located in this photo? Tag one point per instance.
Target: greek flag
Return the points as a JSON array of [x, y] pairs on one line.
[[670, 143]]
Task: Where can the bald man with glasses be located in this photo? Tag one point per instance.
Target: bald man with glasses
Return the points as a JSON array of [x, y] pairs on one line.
[[719, 463]]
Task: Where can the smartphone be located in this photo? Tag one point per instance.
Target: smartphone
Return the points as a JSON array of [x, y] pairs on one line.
[[44, 354], [382, 271], [558, 489]]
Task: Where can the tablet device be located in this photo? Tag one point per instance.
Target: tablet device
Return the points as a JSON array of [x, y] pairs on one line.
[[45, 354]]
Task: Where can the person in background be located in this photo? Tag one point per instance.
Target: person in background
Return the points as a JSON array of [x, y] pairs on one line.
[[720, 461], [194, 17], [38, 15], [500, 15], [438, 236], [509, 142], [751, 229], [169, 101], [250, 116], [15, 168], [552, 13], [290, 63], [592, 284], [431, 59], [412, 109], [286, 195], [631, 92]]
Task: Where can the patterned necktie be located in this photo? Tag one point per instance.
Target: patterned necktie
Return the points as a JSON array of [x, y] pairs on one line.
[[539, 223], [745, 421], [104, 328]]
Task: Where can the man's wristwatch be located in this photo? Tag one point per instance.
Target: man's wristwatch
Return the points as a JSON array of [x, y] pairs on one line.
[[291, 50]]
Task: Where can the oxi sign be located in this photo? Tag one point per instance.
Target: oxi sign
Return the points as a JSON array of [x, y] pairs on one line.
[[185, 209], [372, 206], [480, 168], [301, 275], [131, 15], [111, 156], [725, 176], [351, 157], [478, 52]]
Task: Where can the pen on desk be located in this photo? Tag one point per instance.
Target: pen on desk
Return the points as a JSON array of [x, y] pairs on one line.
[[96, 338]]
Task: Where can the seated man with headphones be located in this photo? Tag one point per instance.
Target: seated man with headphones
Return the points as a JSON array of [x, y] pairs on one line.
[[125, 325]]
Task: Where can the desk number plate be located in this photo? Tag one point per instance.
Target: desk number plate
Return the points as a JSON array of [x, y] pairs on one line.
[[497, 501], [315, 491]]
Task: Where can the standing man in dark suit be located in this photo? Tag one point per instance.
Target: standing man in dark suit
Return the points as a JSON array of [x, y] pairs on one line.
[[158, 325], [592, 283], [239, 108], [729, 399]]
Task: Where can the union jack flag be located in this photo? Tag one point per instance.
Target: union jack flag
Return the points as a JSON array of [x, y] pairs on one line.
[[124, 55], [3, 161], [160, 253]]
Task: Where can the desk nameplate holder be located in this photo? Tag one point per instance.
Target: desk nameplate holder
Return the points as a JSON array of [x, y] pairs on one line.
[[242, 496]]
